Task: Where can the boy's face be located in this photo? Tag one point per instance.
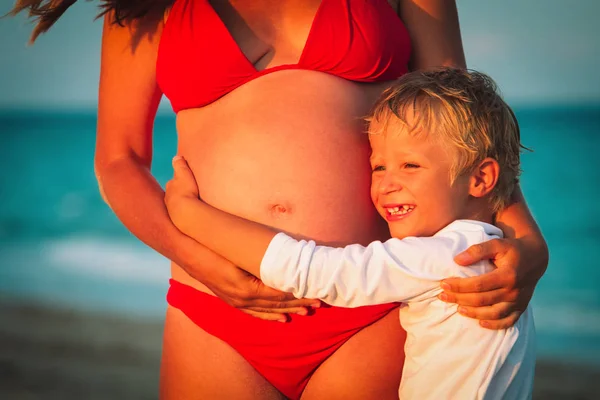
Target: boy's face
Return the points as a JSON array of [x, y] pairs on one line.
[[410, 184]]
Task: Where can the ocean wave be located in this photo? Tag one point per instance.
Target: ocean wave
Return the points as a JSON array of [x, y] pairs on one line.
[[569, 317], [106, 259]]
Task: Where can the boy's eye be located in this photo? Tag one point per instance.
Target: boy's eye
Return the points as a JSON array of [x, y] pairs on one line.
[[378, 168], [411, 165]]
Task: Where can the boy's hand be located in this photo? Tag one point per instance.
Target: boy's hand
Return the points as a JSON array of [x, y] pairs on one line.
[[498, 298], [180, 191]]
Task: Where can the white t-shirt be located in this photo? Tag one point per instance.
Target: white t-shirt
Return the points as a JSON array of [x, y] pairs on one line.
[[448, 356]]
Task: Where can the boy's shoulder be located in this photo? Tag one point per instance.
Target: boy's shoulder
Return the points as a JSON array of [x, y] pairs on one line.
[[455, 237], [470, 228]]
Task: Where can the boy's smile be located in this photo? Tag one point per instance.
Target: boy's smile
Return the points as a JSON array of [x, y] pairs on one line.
[[397, 211], [411, 183]]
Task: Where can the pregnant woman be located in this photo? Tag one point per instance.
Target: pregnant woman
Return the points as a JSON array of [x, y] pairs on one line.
[[269, 96]]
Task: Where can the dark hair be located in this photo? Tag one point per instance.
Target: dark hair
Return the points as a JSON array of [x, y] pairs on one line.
[[47, 12]]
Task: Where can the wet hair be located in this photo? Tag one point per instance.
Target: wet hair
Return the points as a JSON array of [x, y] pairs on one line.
[[46, 12], [464, 110]]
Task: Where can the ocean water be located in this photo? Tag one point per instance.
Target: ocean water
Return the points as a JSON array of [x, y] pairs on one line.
[[60, 244]]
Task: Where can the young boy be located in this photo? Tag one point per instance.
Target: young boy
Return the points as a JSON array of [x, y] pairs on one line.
[[445, 159]]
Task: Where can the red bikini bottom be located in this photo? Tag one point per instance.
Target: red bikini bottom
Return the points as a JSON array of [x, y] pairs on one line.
[[286, 354]]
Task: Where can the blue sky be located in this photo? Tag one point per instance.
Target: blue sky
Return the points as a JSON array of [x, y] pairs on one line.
[[539, 52]]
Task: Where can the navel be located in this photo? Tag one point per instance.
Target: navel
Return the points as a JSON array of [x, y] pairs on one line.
[[279, 210]]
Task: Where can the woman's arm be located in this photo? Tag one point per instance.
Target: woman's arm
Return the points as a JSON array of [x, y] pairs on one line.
[[128, 100], [497, 298], [500, 297], [434, 33]]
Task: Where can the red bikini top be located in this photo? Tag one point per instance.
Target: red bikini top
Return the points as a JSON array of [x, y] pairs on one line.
[[199, 61]]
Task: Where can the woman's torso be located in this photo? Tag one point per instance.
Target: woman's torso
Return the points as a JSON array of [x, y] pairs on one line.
[[287, 149]]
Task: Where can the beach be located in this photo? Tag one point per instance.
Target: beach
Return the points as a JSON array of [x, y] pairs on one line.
[[59, 354]]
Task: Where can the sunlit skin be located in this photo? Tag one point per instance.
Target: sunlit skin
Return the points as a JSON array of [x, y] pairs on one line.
[[411, 185]]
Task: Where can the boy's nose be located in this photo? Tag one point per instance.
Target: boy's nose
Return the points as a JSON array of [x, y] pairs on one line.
[[389, 184]]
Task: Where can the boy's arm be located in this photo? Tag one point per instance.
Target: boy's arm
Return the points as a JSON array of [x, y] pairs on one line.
[[242, 242], [397, 270], [354, 276]]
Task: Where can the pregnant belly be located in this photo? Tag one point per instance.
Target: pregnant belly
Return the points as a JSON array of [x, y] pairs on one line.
[[295, 159]]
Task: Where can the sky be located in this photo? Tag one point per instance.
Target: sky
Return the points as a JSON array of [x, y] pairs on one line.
[[540, 52]]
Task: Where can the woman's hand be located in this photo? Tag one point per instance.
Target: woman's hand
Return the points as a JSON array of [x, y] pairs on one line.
[[498, 298], [249, 294], [233, 285]]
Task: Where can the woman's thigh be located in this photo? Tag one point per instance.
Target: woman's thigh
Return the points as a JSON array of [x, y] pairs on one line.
[[196, 365], [368, 366]]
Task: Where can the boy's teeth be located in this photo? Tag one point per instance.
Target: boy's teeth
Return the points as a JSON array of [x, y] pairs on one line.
[[400, 210]]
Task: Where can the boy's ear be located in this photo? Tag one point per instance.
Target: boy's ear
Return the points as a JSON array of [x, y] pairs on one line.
[[484, 177]]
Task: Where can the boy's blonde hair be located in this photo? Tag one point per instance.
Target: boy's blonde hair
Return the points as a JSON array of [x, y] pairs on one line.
[[463, 108]]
